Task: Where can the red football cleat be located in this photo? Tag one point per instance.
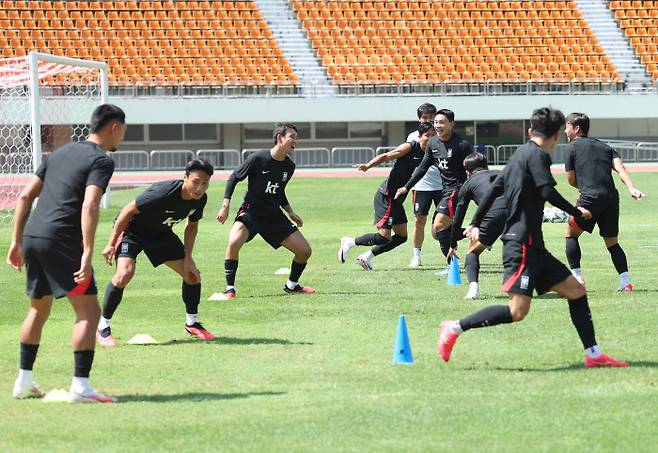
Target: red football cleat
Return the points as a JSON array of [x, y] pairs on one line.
[[603, 361], [90, 396], [197, 330], [626, 289], [105, 338], [447, 339], [299, 289], [230, 294]]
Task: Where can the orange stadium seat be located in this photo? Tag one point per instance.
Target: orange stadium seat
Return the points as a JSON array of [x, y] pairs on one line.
[[639, 21]]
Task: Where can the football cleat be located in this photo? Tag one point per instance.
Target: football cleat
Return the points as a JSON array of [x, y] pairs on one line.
[[299, 289], [105, 338], [90, 396], [230, 293], [26, 390], [625, 289], [603, 361], [415, 262], [197, 330], [473, 293], [443, 272], [345, 246], [447, 339], [365, 263]]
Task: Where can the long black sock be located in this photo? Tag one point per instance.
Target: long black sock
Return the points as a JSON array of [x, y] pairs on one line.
[[390, 245], [113, 296], [83, 361], [28, 355], [618, 258], [487, 317], [191, 297], [572, 248], [582, 320], [472, 266], [443, 237], [230, 269], [370, 239], [296, 270]]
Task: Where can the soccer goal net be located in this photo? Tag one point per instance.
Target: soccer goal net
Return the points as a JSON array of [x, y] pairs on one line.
[[45, 102]]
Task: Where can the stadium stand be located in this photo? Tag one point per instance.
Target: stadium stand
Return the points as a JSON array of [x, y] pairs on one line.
[[154, 42], [639, 21], [420, 42]]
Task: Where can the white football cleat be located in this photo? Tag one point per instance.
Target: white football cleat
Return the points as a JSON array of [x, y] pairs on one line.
[[346, 244], [24, 390], [443, 272], [89, 396], [473, 291], [364, 262], [415, 262]]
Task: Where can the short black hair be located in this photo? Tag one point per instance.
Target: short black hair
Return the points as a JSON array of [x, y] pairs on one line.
[[581, 120], [475, 161], [199, 165], [104, 114], [546, 122], [447, 113], [281, 128], [424, 127], [426, 108]]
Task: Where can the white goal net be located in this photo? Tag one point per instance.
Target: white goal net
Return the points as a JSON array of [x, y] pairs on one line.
[[45, 102]]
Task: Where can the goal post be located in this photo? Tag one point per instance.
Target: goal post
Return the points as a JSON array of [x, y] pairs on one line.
[[46, 101]]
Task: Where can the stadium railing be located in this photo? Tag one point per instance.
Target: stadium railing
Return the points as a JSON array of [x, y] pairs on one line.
[[131, 160], [312, 157], [220, 159], [170, 159], [348, 156], [385, 149]]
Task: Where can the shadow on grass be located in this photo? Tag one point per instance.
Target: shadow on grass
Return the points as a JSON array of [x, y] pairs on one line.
[[573, 366], [192, 396], [233, 340]]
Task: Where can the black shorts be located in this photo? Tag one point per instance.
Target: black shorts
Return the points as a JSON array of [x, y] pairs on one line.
[[160, 249], [50, 265], [388, 212], [273, 227], [527, 267], [423, 200], [605, 214], [492, 226], [448, 202]]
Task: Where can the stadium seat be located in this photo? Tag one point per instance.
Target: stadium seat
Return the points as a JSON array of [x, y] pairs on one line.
[[639, 22]]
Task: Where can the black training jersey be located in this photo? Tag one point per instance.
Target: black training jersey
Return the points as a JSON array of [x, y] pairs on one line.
[[591, 160], [66, 173], [402, 170], [267, 181], [449, 159], [528, 170], [161, 206]]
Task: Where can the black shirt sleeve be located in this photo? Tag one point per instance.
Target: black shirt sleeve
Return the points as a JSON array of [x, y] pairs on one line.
[[101, 172], [465, 148], [421, 169], [497, 188], [539, 165], [570, 161], [198, 214], [464, 198], [239, 174]]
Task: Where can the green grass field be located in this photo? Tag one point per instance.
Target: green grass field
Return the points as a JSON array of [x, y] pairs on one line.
[[314, 373]]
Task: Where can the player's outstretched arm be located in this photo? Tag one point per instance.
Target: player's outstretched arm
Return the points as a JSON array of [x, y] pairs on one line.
[[418, 173], [88, 222], [398, 152], [123, 219], [21, 213], [618, 166]]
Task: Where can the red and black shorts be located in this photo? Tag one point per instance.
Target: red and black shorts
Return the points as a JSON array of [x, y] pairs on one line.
[[605, 214], [528, 268], [448, 202], [423, 200], [160, 249], [50, 265], [274, 227], [388, 212]]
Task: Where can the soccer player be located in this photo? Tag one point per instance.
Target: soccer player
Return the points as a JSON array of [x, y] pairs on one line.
[[447, 152], [426, 191], [269, 173], [389, 212], [589, 163], [527, 183], [145, 224], [57, 246], [475, 188]]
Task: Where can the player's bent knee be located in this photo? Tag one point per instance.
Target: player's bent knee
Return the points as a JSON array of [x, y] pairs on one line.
[[518, 314], [122, 278]]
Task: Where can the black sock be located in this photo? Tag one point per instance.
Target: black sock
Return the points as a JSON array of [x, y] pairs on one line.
[[28, 355], [230, 269], [83, 361], [296, 270], [488, 316], [191, 297], [618, 258], [472, 266], [370, 239], [572, 248], [390, 245], [443, 237], [582, 320], [113, 296]]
